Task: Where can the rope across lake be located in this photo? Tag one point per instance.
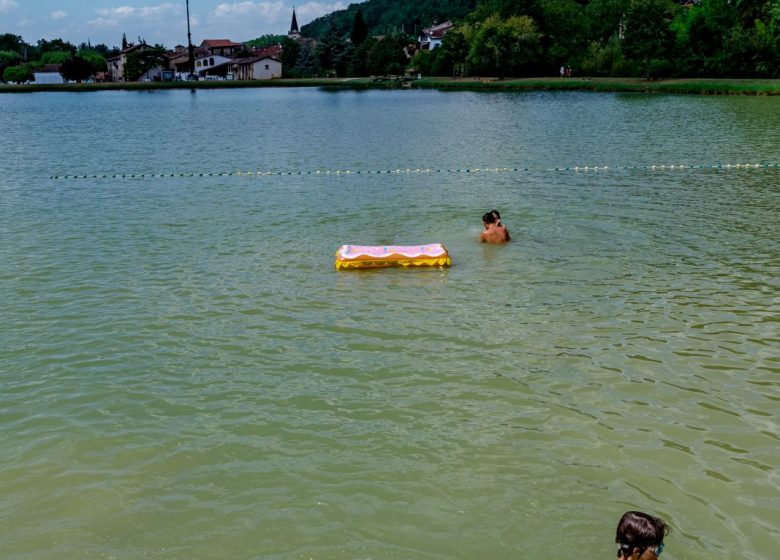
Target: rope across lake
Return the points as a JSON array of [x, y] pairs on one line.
[[419, 171]]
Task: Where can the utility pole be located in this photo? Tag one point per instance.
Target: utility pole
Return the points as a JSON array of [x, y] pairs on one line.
[[190, 48]]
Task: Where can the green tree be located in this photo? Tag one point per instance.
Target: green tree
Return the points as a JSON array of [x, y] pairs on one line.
[[56, 45], [387, 56], [18, 74], [308, 62], [8, 58], [335, 53], [267, 40], [96, 60], [55, 57], [695, 41], [103, 50], [423, 61], [505, 9], [359, 29], [604, 59], [565, 36], [291, 50], [141, 61], [649, 38], [360, 59], [602, 19], [10, 42], [451, 56], [505, 48], [752, 51], [77, 69]]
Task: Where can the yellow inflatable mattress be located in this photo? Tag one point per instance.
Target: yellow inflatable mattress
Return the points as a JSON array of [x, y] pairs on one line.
[[381, 256]]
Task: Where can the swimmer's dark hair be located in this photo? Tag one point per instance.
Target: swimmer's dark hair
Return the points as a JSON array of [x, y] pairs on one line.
[[488, 218], [496, 215], [640, 530]]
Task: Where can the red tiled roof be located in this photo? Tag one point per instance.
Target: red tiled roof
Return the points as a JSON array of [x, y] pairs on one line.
[[129, 49], [215, 43], [273, 51], [252, 60], [438, 31]]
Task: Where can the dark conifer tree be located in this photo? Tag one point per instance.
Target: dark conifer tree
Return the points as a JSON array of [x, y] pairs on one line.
[[359, 29]]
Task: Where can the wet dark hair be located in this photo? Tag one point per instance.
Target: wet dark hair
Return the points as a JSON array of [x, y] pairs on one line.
[[488, 218], [640, 530]]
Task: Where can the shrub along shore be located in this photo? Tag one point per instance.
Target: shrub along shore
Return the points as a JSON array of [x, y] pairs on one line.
[[640, 85]]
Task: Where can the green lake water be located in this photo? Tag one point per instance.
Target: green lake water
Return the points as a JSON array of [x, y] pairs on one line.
[[184, 375]]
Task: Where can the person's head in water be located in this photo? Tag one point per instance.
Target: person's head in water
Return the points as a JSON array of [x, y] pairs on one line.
[[497, 216], [640, 536], [488, 218]]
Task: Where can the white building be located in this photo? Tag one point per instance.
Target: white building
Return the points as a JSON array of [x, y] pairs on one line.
[[49, 74], [431, 37], [257, 68], [204, 61]]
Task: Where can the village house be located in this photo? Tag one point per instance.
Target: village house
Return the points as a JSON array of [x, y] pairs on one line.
[[178, 60], [221, 47], [205, 61], [257, 68], [116, 64], [263, 64], [431, 37]]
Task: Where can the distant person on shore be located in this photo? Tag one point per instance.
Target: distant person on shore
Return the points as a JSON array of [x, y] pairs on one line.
[[563, 71], [495, 231], [640, 536]]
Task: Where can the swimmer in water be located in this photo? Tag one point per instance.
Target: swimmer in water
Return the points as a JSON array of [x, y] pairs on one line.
[[494, 232], [640, 536], [499, 224]]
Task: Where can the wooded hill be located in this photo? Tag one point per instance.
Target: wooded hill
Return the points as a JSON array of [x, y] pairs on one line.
[[389, 17]]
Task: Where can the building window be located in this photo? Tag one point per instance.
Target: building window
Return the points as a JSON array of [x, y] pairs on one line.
[[266, 67], [211, 62]]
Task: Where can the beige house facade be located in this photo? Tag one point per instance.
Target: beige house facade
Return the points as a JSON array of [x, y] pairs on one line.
[[257, 68]]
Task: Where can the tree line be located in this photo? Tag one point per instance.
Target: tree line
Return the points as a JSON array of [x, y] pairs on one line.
[[18, 59], [649, 38]]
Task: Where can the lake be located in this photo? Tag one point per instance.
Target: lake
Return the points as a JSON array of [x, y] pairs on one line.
[[184, 374]]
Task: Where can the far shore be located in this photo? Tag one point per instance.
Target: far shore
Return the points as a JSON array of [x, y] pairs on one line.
[[700, 86]]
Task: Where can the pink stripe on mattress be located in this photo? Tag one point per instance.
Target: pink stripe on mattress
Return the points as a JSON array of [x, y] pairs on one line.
[[380, 251]]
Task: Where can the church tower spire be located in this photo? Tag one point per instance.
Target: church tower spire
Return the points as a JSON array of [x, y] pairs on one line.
[[294, 32]]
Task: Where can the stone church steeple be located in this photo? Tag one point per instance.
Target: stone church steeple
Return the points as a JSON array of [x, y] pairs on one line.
[[294, 33]]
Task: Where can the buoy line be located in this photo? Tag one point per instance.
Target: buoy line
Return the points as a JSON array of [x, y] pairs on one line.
[[408, 171]]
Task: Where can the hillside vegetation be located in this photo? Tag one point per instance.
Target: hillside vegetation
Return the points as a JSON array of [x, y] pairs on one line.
[[646, 38], [387, 17]]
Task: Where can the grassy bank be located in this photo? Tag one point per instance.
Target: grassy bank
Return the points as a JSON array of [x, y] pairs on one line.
[[154, 86], [677, 86], [682, 86]]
